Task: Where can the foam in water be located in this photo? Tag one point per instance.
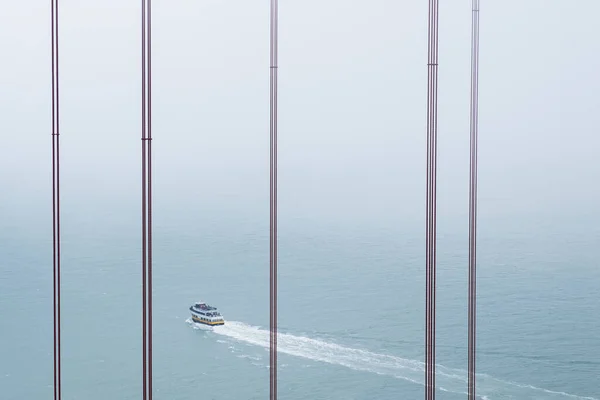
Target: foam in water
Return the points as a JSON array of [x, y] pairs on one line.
[[449, 380]]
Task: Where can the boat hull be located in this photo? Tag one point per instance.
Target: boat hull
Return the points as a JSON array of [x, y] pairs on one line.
[[208, 323]]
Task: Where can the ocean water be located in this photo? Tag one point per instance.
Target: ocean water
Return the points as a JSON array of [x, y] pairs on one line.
[[351, 310]]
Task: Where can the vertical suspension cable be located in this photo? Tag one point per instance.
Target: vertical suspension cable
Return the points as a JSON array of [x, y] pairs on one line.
[[56, 201], [146, 203], [273, 204], [149, 95], [473, 197], [430, 259]]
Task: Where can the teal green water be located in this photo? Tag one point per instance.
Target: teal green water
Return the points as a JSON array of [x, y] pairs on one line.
[[351, 308]]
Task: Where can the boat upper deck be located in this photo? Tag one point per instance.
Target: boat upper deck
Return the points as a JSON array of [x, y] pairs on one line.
[[204, 309]]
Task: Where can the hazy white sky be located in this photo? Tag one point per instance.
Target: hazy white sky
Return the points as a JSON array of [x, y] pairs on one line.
[[352, 107]]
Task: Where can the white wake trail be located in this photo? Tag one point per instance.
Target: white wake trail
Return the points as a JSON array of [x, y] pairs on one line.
[[449, 379]]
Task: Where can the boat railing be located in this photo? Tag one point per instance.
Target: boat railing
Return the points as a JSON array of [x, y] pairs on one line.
[[205, 307]]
